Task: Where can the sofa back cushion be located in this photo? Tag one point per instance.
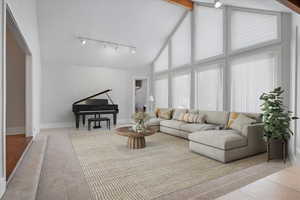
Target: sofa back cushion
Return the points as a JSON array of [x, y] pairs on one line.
[[165, 113], [215, 117], [193, 118], [178, 112]]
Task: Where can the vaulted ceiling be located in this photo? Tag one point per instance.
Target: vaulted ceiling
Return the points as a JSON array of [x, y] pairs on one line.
[[145, 24], [142, 23]]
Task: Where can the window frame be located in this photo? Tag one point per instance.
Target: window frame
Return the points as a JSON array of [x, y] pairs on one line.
[[281, 44]]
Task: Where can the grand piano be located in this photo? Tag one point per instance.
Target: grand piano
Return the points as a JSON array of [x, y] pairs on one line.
[[96, 107]]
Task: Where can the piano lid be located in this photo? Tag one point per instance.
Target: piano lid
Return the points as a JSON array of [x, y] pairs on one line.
[[83, 101]]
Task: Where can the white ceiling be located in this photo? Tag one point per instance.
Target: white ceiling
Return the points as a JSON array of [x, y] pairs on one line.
[[258, 4], [142, 23]]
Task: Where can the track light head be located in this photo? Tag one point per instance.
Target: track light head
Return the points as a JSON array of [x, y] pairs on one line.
[[218, 3], [133, 50], [83, 42]]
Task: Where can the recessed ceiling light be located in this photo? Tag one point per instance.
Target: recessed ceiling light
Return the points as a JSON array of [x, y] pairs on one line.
[[218, 3]]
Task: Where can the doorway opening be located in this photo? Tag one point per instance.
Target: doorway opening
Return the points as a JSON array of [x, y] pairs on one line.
[[17, 55], [140, 95]]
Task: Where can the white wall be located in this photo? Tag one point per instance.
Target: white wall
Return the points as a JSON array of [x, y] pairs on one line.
[[63, 85], [25, 14], [15, 85]]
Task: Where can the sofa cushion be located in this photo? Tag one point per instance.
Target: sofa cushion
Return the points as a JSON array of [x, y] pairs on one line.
[[242, 121], [165, 113], [197, 127], [216, 117], [220, 139], [177, 112], [172, 124]]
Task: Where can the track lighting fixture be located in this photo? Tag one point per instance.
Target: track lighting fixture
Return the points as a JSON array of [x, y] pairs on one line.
[[116, 46]]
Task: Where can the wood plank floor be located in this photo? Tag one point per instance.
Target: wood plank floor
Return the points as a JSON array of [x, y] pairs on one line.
[[282, 185], [15, 146]]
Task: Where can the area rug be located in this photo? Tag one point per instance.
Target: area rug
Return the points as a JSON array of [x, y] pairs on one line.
[[114, 172]]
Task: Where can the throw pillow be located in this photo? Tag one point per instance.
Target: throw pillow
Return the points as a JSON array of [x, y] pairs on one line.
[[177, 113], [156, 112], [194, 118], [165, 113], [241, 121], [181, 116], [233, 116]]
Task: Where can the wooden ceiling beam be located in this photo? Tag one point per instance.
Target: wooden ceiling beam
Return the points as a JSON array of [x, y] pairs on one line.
[[292, 4], [184, 3]]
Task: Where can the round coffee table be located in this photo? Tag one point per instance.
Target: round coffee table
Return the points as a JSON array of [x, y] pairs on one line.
[[135, 140]]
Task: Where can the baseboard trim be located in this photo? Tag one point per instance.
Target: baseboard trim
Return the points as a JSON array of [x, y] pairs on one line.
[[15, 130], [2, 186], [72, 124]]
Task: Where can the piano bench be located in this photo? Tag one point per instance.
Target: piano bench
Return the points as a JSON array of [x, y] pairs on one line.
[[90, 120]]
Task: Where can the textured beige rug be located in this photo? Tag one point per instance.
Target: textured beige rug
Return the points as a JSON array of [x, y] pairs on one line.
[[114, 172]]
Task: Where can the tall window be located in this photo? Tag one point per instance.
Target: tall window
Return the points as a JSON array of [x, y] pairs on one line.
[[181, 91], [258, 28], [161, 93], [208, 32], [250, 77], [181, 43], [162, 62], [208, 88]]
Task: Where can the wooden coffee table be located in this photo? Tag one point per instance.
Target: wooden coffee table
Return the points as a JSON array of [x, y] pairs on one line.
[[135, 140]]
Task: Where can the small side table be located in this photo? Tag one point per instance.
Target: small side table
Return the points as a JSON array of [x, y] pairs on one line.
[[100, 119], [283, 149], [135, 140]]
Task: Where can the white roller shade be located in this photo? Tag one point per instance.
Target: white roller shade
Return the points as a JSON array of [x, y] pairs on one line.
[[249, 29], [250, 77], [161, 93], [208, 88], [181, 43], [162, 62], [181, 91], [208, 32]]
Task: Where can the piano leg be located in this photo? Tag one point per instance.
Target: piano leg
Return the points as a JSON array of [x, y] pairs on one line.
[[83, 120], [77, 116], [115, 118]]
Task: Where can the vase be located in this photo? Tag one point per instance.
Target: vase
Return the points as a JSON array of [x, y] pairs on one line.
[[140, 127], [277, 148]]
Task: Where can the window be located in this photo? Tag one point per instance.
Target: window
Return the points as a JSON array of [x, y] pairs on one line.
[[208, 32], [161, 93], [181, 91], [181, 43], [257, 29], [250, 77], [162, 62], [208, 88]]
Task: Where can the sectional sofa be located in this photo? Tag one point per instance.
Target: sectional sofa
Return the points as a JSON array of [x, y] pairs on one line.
[[213, 137]]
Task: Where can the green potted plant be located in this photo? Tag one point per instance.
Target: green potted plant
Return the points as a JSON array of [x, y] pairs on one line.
[[276, 119]]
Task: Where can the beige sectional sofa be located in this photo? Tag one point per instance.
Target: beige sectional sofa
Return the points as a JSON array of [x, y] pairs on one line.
[[212, 138]]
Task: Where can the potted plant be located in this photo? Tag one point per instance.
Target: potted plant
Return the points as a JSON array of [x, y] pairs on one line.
[[140, 118], [276, 119]]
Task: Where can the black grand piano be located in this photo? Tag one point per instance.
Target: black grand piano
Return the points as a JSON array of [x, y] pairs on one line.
[[96, 107]]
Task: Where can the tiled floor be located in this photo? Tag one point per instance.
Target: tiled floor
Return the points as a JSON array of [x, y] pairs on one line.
[[283, 185]]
